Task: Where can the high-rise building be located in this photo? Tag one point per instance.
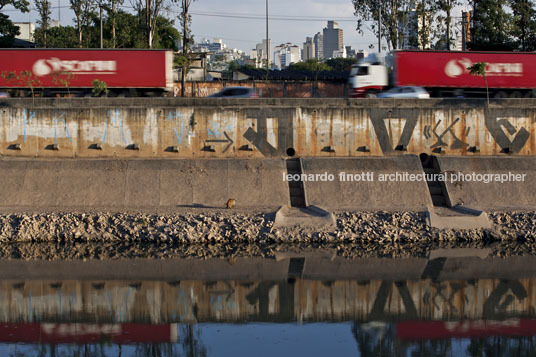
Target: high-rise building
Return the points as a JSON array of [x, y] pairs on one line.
[[308, 49], [412, 33], [332, 39], [319, 45], [286, 54], [260, 53]]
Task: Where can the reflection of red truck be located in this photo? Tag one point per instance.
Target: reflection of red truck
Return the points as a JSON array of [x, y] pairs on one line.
[[445, 74], [146, 71]]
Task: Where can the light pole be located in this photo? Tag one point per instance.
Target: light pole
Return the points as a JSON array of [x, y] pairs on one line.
[[267, 44], [379, 28], [100, 5]]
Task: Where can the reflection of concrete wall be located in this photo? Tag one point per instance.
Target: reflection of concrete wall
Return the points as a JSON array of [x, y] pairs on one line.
[[189, 301], [170, 128]]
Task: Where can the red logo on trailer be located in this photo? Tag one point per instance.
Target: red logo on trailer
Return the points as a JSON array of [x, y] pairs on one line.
[[43, 67]]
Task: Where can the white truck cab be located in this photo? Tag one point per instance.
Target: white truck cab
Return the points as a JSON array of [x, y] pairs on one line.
[[368, 77]]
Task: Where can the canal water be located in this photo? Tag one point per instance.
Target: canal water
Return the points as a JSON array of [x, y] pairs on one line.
[[296, 304]]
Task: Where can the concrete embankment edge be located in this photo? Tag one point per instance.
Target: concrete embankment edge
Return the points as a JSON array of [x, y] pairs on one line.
[[254, 183]]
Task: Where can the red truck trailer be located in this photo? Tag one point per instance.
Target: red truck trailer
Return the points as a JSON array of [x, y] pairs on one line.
[[53, 70], [445, 73]]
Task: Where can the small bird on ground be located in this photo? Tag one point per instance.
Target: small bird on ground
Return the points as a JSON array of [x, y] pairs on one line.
[[231, 202]]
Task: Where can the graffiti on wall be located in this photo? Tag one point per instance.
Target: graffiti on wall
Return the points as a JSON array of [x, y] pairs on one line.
[[270, 132]]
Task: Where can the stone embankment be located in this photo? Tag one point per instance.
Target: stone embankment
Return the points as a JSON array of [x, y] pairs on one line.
[[226, 233]]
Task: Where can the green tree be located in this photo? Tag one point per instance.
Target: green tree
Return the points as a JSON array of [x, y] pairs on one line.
[[233, 66], [8, 30], [166, 36], [99, 88], [63, 78], [314, 66], [111, 9], [479, 69], [444, 23], [83, 12], [22, 5], [185, 19], [341, 64], [491, 26], [311, 65], [23, 79], [59, 37], [44, 11], [426, 11], [524, 24], [148, 13], [131, 35], [393, 18]]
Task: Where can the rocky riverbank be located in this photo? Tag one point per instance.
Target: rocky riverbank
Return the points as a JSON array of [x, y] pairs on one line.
[[224, 233]]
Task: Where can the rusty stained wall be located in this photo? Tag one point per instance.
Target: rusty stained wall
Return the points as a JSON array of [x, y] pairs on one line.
[[242, 131], [306, 300]]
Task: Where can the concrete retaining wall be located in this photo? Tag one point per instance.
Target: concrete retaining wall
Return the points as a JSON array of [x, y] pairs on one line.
[[259, 183], [141, 183], [203, 128], [367, 191]]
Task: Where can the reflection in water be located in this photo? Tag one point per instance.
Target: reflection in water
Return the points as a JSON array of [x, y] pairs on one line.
[[488, 316], [112, 303]]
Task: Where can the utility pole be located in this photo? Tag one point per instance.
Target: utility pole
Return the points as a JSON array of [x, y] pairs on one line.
[[148, 20], [464, 46], [267, 44], [185, 5]]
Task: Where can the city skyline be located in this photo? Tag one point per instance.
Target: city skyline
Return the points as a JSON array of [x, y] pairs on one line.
[[288, 21], [241, 24]]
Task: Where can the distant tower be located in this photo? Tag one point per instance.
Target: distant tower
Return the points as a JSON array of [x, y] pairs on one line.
[[332, 39], [308, 49], [319, 45]]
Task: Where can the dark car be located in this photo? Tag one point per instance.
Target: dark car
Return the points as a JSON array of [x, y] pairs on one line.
[[236, 92]]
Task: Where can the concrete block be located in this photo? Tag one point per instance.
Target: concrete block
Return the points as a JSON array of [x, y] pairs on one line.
[[474, 220], [311, 216], [366, 194]]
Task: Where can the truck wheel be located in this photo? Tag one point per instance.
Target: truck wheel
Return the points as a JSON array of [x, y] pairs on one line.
[[371, 94], [528, 94], [516, 94], [500, 95]]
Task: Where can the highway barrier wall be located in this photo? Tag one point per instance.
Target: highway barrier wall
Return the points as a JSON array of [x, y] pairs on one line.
[[259, 128]]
